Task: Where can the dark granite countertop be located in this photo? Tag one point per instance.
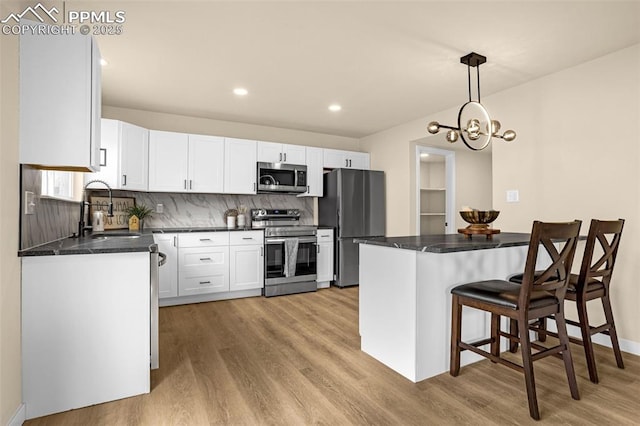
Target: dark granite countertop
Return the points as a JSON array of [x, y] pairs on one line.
[[449, 243], [200, 229], [94, 245]]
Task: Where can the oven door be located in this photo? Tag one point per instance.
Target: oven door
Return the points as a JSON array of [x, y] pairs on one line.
[[306, 260]]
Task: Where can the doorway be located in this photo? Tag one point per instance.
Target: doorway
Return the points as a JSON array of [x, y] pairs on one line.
[[435, 191]]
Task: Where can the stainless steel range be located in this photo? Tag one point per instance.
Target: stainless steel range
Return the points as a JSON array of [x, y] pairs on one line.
[[290, 251]]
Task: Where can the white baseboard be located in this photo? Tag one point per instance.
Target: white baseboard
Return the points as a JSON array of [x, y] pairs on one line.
[[19, 417], [628, 346]]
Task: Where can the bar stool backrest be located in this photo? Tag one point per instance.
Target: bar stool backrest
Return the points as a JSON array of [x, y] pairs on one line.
[[608, 234]]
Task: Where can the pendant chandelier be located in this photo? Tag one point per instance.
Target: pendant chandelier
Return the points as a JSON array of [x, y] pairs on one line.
[[478, 128]]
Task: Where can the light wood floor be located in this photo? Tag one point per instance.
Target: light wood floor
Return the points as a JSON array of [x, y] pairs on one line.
[[295, 360]]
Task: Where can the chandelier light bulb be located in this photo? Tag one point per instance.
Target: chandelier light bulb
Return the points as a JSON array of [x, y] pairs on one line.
[[509, 135], [433, 127], [495, 127], [452, 136], [473, 128]]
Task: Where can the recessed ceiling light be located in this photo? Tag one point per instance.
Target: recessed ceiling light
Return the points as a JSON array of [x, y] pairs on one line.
[[103, 62], [240, 91], [424, 154], [335, 107]]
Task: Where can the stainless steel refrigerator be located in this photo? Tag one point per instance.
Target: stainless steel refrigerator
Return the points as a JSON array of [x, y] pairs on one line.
[[354, 205]]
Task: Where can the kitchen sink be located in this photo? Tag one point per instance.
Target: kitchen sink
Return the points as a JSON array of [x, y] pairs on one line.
[[113, 235]]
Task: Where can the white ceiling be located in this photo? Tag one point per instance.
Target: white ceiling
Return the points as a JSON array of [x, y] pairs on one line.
[[386, 63]]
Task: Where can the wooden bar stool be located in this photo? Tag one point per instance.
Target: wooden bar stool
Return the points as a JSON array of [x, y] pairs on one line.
[[541, 294], [592, 283]]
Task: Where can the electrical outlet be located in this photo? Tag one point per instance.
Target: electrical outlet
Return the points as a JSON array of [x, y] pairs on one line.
[[29, 202], [159, 208], [513, 196]]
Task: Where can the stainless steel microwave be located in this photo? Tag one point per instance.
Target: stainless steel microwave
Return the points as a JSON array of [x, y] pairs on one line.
[[281, 177]]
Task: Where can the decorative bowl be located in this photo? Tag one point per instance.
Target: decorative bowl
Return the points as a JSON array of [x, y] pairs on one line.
[[479, 219]]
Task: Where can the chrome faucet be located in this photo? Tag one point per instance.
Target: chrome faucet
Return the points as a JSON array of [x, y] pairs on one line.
[[82, 225]]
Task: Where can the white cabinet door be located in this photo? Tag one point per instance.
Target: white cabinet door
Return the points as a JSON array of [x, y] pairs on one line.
[[206, 163], [314, 173], [240, 166], [168, 161], [358, 160], [110, 154], [294, 154], [134, 157], [325, 257], [60, 103], [168, 273], [246, 267], [269, 152], [203, 270]]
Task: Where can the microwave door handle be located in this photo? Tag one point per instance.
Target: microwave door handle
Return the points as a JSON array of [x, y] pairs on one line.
[[295, 177]]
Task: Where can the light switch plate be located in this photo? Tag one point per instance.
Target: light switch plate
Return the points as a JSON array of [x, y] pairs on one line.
[[29, 202], [513, 196], [159, 208]]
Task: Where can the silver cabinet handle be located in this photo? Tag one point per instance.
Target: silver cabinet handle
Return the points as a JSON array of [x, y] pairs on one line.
[[261, 251], [185, 184], [190, 184], [308, 190], [317, 248], [103, 157], [254, 187], [346, 162], [124, 180], [205, 239], [175, 240], [285, 157], [205, 258], [247, 238], [280, 156], [205, 282]]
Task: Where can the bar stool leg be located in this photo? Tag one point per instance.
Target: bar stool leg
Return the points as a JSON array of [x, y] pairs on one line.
[[513, 330], [585, 329], [566, 354], [542, 335], [606, 304], [495, 335], [456, 333], [527, 366]]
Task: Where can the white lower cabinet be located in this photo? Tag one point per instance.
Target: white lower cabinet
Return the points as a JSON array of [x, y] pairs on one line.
[[204, 266], [246, 256], [168, 272], [325, 257]]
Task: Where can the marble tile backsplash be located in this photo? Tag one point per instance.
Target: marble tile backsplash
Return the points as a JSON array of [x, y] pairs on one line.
[[53, 218], [207, 210]]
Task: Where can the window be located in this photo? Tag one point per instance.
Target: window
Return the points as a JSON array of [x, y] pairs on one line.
[[57, 184]]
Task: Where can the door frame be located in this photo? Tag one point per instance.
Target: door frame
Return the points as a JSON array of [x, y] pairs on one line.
[[450, 185]]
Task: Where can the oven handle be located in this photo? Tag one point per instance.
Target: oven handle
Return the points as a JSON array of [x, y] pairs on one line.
[[282, 240]]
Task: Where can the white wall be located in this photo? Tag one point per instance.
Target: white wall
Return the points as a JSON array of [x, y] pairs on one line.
[[205, 126], [577, 156]]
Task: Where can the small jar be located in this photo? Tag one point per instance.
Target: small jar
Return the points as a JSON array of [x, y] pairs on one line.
[[241, 222], [231, 221]]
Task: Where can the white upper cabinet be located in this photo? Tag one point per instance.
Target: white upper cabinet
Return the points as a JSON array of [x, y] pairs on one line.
[[338, 159], [124, 156], [206, 163], [168, 161], [240, 161], [185, 163], [314, 173], [270, 152], [60, 101]]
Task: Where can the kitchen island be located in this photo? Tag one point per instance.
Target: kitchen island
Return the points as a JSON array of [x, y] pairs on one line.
[[405, 299]]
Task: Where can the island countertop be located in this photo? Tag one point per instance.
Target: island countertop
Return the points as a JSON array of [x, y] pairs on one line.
[[449, 243]]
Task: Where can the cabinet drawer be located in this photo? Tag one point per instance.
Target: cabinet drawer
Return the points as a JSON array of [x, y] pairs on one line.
[[203, 239], [246, 238], [324, 235], [205, 284]]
